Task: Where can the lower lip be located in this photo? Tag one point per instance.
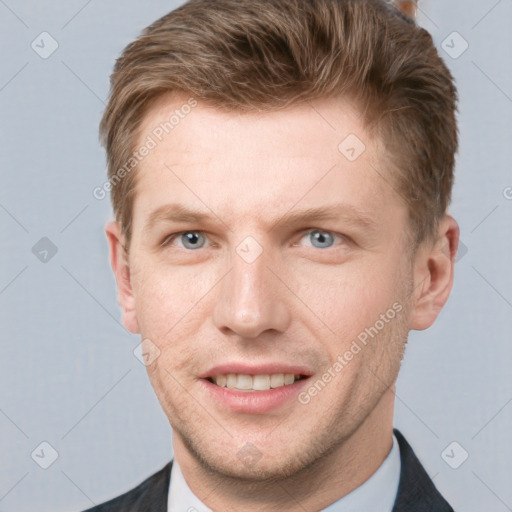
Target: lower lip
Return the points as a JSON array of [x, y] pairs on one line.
[[254, 402]]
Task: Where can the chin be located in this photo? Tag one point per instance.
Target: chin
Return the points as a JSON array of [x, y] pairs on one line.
[[275, 462], [253, 471]]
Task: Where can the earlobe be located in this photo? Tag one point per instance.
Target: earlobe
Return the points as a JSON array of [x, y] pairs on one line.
[[121, 267], [433, 275]]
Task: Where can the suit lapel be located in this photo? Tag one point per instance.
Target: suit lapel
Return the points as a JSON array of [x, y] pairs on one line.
[[416, 491]]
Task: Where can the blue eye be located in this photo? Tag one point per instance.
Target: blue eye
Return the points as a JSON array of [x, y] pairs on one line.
[[192, 240], [321, 239]]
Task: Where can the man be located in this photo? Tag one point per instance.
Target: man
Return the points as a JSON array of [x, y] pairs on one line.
[[280, 173]]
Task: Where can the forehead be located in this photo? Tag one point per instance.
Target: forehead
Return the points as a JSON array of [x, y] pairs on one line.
[[260, 165]]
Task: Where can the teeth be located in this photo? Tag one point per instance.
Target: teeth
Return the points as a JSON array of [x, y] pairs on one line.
[[289, 379], [276, 380], [222, 380], [244, 382], [230, 381], [261, 382]]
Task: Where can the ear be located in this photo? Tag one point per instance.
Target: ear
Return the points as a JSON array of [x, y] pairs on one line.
[[121, 267], [433, 274]]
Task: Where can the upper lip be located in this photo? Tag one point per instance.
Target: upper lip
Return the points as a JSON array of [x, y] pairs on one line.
[[256, 369]]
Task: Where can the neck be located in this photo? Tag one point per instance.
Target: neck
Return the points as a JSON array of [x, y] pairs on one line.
[[315, 487]]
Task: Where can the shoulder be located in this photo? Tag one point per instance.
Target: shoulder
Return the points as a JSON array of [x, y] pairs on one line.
[[416, 491], [150, 495]]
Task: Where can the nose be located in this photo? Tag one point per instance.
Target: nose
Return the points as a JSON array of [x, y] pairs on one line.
[[251, 300]]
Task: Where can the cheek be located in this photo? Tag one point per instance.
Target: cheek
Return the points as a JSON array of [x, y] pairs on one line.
[[169, 300], [170, 311], [349, 298]]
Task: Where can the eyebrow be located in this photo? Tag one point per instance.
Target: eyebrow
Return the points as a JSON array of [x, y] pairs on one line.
[[177, 213], [340, 211]]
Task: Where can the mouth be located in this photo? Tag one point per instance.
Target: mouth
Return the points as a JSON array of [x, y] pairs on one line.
[[250, 383], [254, 388]]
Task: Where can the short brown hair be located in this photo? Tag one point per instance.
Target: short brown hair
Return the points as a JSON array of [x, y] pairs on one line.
[[268, 54]]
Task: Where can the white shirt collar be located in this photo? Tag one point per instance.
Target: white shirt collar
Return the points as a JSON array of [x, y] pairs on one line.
[[181, 498], [377, 494]]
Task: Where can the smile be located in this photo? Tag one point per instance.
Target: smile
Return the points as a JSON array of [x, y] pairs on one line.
[[261, 382]]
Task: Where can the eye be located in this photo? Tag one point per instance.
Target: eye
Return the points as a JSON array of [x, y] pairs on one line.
[[189, 239], [321, 239]]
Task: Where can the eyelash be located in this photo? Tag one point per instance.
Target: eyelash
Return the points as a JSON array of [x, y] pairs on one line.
[[170, 238]]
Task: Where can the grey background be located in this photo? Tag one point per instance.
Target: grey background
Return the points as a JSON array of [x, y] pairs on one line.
[[69, 376]]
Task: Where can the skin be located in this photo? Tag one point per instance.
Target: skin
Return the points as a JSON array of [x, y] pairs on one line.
[[299, 302]]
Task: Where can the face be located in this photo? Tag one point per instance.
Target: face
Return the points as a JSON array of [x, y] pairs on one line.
[[266, 259]]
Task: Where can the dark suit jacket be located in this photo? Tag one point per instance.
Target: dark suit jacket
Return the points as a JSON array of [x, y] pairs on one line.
[[416, 492]]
